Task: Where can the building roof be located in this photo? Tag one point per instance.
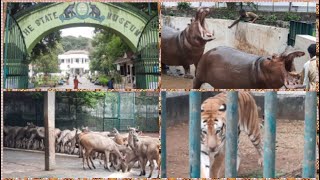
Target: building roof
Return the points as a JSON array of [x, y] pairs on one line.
[[76, 52]]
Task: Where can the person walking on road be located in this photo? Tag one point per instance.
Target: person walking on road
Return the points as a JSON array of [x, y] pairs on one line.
[[76, 82], [110, 84]]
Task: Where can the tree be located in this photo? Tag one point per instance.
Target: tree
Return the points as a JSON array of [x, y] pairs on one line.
[[107, 47], [144, 7], [75, 43], [47, 62], [79, 99], [184, 5]]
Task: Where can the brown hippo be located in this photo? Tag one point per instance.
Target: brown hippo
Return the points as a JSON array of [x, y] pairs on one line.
[[228, 68], [186, 47]]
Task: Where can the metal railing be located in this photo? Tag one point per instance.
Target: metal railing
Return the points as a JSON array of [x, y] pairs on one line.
[[15, 70], [147, 62]]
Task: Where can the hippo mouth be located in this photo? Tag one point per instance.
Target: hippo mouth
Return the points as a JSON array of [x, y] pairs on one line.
[[202, 13], [292, 78], [289, 66]]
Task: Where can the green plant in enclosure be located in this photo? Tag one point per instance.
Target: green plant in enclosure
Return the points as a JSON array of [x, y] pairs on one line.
[[271, 19], [184, 6], [88, 99], [290, 16]]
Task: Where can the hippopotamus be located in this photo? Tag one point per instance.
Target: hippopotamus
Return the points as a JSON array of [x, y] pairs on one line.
[[229, 68], [183, 48]]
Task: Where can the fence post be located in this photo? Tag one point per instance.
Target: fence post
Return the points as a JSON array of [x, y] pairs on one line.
[[163, 135], [194, 134], [231, 135], [308, 167], [270, 107], [49, 121]]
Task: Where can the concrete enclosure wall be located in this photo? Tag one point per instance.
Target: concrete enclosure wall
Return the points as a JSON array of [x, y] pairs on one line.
[[302, 42], [290, 106], [251, 38]]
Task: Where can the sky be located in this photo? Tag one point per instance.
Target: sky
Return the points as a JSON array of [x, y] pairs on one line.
[[78, 31]]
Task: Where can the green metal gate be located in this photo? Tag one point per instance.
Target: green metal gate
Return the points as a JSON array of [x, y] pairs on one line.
[[147, 62], [15, 70], [297, 27]]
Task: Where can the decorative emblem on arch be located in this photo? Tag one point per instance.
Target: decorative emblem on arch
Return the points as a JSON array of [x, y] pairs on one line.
[[81, 10]]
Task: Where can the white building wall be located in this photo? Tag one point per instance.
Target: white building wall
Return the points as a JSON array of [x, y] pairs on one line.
[[69, 62]]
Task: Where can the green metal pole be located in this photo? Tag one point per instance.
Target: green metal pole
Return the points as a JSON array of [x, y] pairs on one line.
[[310, 126], [269, 149], [119, 99], [104, 110], [231, 135], [6, 47], [194, 133], [163, 135]]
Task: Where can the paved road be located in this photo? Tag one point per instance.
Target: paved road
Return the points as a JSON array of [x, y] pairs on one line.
[[86, 84], [21, 164]]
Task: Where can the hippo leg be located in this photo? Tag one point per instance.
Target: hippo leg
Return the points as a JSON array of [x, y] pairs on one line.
[[196, 83], [187, 72]]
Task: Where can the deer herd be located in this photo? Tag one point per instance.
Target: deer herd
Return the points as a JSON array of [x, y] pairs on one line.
[[119, 151]]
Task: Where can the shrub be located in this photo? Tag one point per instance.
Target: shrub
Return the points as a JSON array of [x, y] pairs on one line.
[[289, 16], [184, 5], [271, 19], [103, 81]]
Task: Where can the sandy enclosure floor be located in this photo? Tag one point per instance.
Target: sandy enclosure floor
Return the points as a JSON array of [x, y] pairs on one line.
[[174, 82], [289, 151]]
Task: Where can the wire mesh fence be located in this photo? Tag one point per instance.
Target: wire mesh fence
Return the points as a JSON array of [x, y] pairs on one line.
[[98, 111]]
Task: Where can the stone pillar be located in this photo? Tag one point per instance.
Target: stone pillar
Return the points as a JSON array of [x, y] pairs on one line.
[[49, 120]]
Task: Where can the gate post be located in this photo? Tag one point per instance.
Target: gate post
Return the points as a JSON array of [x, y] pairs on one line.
[[163, 135], [270, 111], [194, 134], [49, 120], [231, 135], [309, 154]]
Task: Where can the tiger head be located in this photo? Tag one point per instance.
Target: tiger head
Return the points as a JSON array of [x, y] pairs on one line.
[[213, 118]]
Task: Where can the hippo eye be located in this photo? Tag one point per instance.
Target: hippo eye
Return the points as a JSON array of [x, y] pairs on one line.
[[222, 107]]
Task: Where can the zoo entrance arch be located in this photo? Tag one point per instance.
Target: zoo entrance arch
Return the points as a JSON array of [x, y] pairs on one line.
[[123, 20], [29, 26]]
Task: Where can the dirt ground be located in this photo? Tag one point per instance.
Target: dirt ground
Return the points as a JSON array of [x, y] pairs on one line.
[[289, 151], [174, 82]]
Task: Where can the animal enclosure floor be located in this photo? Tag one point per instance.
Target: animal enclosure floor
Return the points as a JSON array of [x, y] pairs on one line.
[[21, 164], [174, 82], [289, 151]]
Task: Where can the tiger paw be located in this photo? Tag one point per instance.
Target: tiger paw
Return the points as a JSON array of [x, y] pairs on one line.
[[260, 162]]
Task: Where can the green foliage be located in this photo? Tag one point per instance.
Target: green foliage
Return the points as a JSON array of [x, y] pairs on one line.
[[47, 62], [144, 7], [75, 43], [87, 99], [184, 5], [252, 5], [46, 45], [107, 47], [289, 16], [103, 80], [271, 19]]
